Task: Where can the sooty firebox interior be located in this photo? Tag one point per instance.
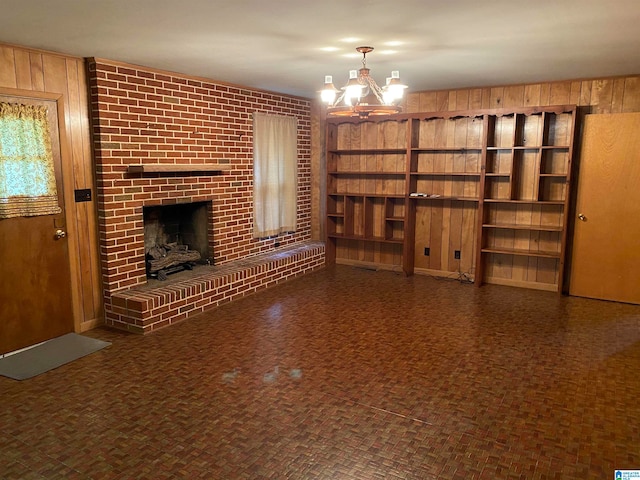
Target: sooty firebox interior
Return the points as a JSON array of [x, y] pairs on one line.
[[175, 237]]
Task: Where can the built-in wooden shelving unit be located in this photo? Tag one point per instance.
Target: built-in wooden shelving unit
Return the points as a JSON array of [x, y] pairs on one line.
[[482, 193]]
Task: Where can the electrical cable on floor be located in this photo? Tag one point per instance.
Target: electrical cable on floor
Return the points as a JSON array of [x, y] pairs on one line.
[[464, 278]]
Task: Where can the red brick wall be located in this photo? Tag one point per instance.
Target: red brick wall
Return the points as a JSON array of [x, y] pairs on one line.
[[142, 115]]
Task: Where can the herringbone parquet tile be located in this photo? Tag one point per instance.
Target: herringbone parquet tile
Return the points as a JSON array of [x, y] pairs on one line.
[[345, 374]]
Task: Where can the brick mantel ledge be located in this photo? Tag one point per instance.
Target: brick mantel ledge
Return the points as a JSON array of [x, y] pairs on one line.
[[159, 304]]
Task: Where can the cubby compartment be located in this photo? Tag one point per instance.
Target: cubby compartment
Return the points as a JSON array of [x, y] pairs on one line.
[[554, 161]]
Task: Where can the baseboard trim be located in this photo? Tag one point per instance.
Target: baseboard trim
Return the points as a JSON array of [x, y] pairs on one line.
[[369, 265], [547, 287]]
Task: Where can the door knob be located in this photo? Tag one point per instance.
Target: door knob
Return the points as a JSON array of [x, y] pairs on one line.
[[60, 234], [582, 217]]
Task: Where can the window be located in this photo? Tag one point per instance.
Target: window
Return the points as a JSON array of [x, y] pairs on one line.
[[27, 177], [275, 174]]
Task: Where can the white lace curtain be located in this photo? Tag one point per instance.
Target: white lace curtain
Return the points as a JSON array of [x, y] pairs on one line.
[[27, 176], [275, 174]]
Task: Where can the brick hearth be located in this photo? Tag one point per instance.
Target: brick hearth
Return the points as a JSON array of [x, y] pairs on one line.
[[159, 304]]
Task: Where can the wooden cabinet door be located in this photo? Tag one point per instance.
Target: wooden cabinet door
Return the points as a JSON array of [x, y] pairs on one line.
[[605, 260], [35, 277]]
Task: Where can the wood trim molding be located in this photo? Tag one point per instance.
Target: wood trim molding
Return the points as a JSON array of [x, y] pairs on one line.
[[178, 167], [31, 94]]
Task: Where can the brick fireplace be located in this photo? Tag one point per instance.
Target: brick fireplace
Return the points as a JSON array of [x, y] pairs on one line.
[[184, 125]]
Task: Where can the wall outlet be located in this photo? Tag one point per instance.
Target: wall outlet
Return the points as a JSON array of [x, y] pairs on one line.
[[83, 195], [456, 254], [427, 251]]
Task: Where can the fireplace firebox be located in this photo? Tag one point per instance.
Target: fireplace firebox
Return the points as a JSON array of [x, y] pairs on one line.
[[176, 237]]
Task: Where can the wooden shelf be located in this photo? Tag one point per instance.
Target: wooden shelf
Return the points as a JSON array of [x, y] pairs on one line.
[[447, 174], [178, 168], [520, 252], [371, 151], [363, 195], [512, 226], [369, 173], [515, 147], [525, 202], [530, 147], [442, 197], [447, 150], [366, 239]]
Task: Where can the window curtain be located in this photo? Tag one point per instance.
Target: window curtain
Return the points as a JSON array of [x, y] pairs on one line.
[[275, 174], [27, 176]]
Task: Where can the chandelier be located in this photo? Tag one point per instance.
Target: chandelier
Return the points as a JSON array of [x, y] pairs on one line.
[[361, 96]]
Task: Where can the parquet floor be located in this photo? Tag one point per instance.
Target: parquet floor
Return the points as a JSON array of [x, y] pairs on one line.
[[345, 374]]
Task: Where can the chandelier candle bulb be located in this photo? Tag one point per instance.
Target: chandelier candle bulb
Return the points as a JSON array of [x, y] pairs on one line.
[[353, 90], [328, 93], [394, 89]]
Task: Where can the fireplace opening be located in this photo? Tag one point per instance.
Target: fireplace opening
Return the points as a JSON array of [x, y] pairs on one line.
[[175, 238]]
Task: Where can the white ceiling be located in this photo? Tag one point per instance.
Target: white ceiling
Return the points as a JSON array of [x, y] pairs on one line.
[[279, 44]]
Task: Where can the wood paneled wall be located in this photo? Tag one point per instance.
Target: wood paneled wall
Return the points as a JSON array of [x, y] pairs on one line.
[[25, 70], [603, 95], [318, 170]]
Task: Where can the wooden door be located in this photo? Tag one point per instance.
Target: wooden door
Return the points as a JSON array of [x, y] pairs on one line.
[[606, 247], [35, 277]]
